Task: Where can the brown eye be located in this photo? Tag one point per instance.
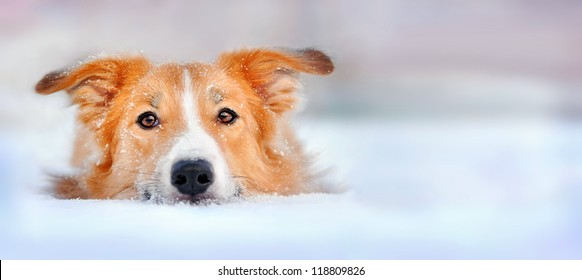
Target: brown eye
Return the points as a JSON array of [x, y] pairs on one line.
[[227, 116], [147, 120]]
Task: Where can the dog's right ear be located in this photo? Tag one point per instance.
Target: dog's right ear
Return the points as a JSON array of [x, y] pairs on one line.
[[96, 81]]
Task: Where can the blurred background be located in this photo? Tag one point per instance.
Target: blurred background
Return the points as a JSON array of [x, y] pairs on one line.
[[456, 123], [414, 58]]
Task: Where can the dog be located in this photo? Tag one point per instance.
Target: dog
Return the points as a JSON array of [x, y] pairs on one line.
[[187, 132]]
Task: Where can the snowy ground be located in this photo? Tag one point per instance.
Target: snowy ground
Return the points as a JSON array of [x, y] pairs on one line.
[[473, 189]]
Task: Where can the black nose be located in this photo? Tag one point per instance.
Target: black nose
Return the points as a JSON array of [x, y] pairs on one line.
[[192, 177]]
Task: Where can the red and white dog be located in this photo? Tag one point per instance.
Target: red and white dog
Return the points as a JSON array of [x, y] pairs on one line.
[[187, 132]]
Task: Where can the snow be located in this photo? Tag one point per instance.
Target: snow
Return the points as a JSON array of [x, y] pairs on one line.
[[477, 189]]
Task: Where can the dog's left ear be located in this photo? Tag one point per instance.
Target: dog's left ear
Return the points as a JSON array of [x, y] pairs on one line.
[[95, 82], [273, 74]]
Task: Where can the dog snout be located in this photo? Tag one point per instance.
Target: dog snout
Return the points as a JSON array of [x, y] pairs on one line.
[[192, 177]]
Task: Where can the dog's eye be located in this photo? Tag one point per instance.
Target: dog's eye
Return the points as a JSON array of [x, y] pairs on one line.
[[147, 120], [227, 116]]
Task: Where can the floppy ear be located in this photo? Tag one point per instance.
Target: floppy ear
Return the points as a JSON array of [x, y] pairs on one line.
[[96, 82], [273, 74]]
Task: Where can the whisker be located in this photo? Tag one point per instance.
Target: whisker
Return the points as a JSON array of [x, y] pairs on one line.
[[124, 188], [142, 173], [245, 178], [142, 183]]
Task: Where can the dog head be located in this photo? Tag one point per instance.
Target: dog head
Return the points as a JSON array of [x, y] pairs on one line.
[[183, 132]]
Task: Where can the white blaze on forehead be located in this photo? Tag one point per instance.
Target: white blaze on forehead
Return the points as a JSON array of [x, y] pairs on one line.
[[189, 104], [195, 140]]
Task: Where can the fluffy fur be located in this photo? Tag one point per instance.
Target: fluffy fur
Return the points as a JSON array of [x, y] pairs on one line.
[[116, 158]]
